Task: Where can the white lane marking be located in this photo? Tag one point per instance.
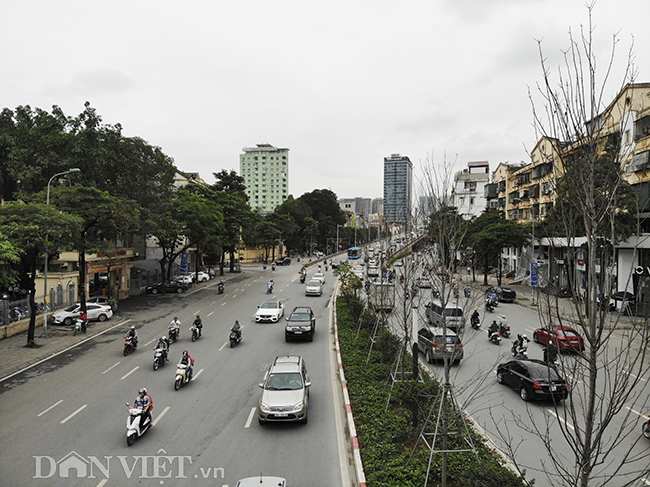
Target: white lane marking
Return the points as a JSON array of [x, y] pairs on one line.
[[234, 295], [51, 407], [197, 312], [125, 376], [155, 421], [223, 304], [72, 415], [102, 483], [647, 482], [197, 374], [250, 418], [637, 377], [111, 367], [150, 342], [210, 313], [566, 423], [63, 351], [223, 346], [636, 412], [212, 303]]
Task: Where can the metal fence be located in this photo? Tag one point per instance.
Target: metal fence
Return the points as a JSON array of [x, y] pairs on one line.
[[12, 310]]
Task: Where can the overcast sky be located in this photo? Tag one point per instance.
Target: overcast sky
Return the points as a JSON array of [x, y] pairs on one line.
[[341, 84]]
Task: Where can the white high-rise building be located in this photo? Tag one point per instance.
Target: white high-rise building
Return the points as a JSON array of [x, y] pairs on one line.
[[265, 170]]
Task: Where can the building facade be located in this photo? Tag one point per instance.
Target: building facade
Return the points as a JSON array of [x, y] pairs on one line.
[[398, 176], [468, 194], [265, 170]]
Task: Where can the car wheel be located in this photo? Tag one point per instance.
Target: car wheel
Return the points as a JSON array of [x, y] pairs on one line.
[[179, 290], [646, 429], [261, 421], [523, 393], [311, 336], [305, 420], [535, 338], [500, 378], [154, 291], [286, 337], [67, 321], [102, 317]]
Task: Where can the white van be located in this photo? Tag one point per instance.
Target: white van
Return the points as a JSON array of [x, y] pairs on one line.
[[451, 317]]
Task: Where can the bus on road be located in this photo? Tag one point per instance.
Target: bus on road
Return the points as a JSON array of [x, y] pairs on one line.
[[354, 253]]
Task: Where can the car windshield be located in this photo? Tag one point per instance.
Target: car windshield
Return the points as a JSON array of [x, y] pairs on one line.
[[284, 382], [453, 312], [300, 317], [71, 308], [313, 283], [568, 333], [269, 306]]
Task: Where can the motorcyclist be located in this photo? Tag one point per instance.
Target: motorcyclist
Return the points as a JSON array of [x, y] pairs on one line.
[[503, 322], [144, 403], [132, 333], [175, 325], [186, 359], [492, 329], [237, 329], [273, 266], [270, 286], [467, 291], [163, 346], [550, 353], [198, 324], [220, 287], [520, 344], [475, 318], [414, 290]]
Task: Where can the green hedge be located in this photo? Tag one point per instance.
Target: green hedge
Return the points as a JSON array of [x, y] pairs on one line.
[[387, 436]]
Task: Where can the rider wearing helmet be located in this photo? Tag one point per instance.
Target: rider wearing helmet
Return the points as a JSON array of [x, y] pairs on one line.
[[186, 359], [144, 403], [176, 326], [132, 333], [163, 345], [237, 329], [504, 321], [198, 324]]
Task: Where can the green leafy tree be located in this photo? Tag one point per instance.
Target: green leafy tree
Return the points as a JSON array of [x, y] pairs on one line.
[[326, 211], [9, 255], [33, 229]]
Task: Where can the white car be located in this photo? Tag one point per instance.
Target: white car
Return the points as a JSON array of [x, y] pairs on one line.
[[319, 276], [184, 278], [269, 311], [314, 288], [97, 312], [203, 276]]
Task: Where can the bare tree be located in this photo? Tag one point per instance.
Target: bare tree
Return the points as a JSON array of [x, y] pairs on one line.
[[595, 209]]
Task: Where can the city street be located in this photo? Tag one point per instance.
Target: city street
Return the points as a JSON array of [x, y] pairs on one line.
[[67, 415]]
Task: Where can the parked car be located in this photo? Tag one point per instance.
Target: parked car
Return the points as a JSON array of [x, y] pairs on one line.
[[314, 288], [96, 312], [533, 379], [201, 276], [283, 261], [171, 287], [319, 276], [269, 311], [301, 323], [185, 278], [436, 343], [504, 294], [98, 300], [285, 394], [564, 337]]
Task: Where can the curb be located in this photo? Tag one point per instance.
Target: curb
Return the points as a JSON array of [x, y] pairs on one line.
[[356, 452]]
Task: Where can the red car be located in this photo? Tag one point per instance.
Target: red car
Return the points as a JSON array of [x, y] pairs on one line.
[[564, 337]]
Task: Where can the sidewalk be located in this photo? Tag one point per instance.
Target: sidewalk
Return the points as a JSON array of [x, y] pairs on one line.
[[15, 356]]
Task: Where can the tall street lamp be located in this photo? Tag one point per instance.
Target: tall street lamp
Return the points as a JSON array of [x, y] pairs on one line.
[[74, 169], [337, 237]]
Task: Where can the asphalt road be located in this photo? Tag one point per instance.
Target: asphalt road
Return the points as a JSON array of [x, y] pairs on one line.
[[69, 410], [506, 419]]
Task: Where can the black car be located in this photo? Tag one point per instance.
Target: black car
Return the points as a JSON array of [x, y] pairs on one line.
[[171, 287], [301, 323], [283, 261], [533, 379], [504, 294]]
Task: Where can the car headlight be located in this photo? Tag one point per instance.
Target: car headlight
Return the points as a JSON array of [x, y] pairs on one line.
[[265, 407], [299, 406]]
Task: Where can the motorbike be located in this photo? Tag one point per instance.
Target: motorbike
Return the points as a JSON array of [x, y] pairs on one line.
[[159, 358], [173, 335], [195, 333], [646, 429], [467, 291], [235, 338], [504, 330], [129, 345], [489, 305], [220, 288], [273, 266], [302, 278], [494, 337], [476, 321], [521, 352], [134, 426], [269, 289], [80, 326], [182, 376]]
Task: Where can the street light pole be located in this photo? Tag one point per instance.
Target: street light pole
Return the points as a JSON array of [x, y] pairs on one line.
[[47, 203], [337, 237]]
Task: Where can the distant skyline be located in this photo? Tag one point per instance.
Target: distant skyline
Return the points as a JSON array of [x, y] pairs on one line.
[[340, 84]]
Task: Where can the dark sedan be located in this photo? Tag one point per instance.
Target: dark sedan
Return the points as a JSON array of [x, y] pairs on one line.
[[564, 337], [533, 379], [171, 287], [504, 294]]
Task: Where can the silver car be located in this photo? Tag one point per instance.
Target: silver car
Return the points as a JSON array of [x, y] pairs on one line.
[[285, 394], [314, 288]]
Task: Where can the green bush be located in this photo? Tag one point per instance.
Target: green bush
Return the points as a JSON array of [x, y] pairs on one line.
[[385, 426]]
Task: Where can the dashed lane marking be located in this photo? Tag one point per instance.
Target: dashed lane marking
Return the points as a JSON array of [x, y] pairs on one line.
[[155, 421], [73, 414], [126, 375], [111, 367], [250, 418], [51, 407]]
